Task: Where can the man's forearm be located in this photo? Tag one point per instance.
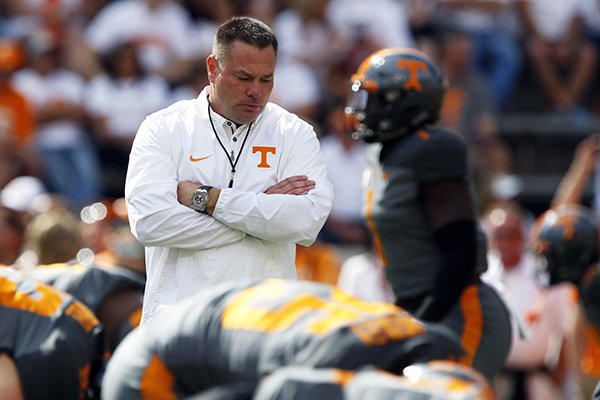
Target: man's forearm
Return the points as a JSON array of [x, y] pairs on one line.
[[278, 217], [178, 226]]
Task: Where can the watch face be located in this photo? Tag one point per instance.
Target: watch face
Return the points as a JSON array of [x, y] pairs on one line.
[[200, 200]]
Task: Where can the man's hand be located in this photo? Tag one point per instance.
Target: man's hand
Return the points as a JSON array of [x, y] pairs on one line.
[[185, 190], [296, 185]]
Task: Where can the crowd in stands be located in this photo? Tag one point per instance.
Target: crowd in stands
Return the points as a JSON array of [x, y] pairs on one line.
[[81, 77], [78, 77]]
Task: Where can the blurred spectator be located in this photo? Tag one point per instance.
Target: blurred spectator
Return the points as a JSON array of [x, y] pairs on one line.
[[591, 18], [346, 161], [193, 83], [362, 276], [539, 365], [358, 35], [580, 173], [571, 190], [496, 50], [22, 193], [423, 19], [117, 101], [308, 44], [563, 60], [65, 19], [319, 262], [97, 221], [41, 13], [589, 356], [265, 10], [28, 196], [297, 89], [17, 121], [206, 16], [306, 34], [105, 232], [6, 18], [125, 250], [53, 237], [159, 27], [469, 108], [69, 160], [19, 18], [382, 21], [11, 236]]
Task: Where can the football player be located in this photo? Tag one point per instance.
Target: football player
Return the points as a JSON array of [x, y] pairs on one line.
[[426, 381], [239, 332], [420, 203], [565, 238], [114, 294], [51, 345]]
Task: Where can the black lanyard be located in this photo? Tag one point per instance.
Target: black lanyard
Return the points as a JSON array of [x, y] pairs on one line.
[[230, 158]]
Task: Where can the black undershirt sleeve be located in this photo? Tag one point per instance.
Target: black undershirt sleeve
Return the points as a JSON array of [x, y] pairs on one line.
[[458, 243]]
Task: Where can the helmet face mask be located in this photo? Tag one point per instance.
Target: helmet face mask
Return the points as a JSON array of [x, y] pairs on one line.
[[355, 112], [565, 239], [394, 92]]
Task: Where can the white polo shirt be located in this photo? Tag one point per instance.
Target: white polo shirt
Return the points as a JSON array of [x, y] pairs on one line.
[[251, 235]]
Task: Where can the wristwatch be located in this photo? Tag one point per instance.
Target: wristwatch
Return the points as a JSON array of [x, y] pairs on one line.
[[200, 199]]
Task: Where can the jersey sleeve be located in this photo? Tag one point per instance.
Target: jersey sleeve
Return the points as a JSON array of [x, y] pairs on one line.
[[443, 156]]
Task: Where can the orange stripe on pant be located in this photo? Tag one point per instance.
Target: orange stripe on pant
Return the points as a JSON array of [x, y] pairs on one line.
[[473, 322], [157, 381], [373, 228]]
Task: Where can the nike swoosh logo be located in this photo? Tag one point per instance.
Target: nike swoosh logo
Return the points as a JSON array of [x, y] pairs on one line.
[[194, 159]]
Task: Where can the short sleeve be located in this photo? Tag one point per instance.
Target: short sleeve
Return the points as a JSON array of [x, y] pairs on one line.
[[443, 156]]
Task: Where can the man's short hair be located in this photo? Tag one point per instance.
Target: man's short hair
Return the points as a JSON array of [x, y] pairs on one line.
[[245, 29], [54, 236]]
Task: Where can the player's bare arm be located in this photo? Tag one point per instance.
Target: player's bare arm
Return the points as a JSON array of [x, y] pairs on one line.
[[10, 384]]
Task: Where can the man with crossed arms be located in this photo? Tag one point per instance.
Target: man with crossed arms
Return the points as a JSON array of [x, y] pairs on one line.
[[223, 186]]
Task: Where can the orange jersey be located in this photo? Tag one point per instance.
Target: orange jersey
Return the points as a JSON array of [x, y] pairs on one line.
[[16, 116]]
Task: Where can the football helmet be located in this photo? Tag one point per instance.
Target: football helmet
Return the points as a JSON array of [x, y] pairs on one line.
[[448, 380], [566, 240], [395, 91]]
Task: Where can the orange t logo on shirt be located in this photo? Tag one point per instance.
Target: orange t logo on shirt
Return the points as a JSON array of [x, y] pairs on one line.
[[263, 150]]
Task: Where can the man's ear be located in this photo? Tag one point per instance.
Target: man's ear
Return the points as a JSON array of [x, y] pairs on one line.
[[211, 67]]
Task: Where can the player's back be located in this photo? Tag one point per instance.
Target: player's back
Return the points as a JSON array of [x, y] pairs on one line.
[[91, 284], [54, 340], [244, 331], [427, 381], [113, 293]]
